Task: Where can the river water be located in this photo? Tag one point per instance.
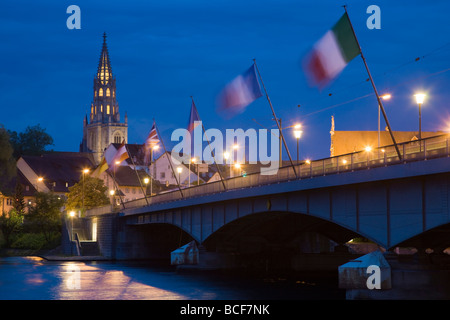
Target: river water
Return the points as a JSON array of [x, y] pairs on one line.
[[34, 278]]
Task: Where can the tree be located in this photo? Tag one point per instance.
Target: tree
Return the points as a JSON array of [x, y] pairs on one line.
[[7, 163], [9, 224], [45, 215], [89, 193], [18, 200], [32, 142]]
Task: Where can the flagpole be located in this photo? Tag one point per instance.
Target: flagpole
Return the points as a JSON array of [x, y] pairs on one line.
[[276, 120], [117, 186], [137, 175], [169, 158], [215, 162], [374, 88]]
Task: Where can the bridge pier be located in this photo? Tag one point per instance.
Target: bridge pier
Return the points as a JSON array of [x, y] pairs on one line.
[[417, 276]]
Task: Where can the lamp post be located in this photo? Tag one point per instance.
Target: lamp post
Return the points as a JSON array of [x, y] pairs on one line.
[[84, 172], [226, 156], [146, 181], [192, 160], [297, 135], [71, 214], [39, 179], [386, 96], [179, 172], [420, 97], [111, 193], [237, 166], [155, 147]]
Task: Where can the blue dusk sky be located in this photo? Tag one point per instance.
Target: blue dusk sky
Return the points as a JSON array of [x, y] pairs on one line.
[[163, 52]]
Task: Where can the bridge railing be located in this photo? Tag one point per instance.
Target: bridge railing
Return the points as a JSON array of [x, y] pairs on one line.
[[433, 147]]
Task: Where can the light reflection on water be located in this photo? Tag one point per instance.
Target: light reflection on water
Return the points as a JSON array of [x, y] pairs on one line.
[[25, 278], [81, 281]]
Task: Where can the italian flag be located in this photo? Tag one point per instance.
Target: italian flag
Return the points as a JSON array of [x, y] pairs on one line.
[[332, 53]]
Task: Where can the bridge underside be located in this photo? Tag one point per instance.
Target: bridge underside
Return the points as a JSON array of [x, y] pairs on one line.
[[279, 230]]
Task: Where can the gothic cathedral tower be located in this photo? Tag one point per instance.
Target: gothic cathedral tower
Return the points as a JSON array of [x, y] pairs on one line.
[[103, 126]]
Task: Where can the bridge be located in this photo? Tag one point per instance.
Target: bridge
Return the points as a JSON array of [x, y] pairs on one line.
[[374, 194]]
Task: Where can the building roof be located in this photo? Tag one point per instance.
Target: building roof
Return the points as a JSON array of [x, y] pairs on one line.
[[59, 170], [127, 176]]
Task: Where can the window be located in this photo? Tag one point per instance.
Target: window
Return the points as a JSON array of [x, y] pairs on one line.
[[100, 92], [107, 109], [108, 92], [117, 138], [162, 175]]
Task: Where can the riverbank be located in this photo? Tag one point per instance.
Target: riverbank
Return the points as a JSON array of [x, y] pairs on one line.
[[49, 255]]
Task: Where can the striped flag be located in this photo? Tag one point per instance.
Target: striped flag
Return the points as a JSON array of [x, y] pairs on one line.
[[151, 141], [121, 155], [193, 118], [102, 167], [152, 138], [239, 93], [331, 54]]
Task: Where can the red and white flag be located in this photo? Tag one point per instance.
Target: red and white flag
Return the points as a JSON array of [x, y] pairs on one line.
[[331, 54]]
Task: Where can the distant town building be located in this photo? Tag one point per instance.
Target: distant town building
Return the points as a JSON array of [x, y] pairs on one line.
[[344, 142]]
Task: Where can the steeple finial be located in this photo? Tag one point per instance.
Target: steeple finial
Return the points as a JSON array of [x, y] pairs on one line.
[[104, 37]]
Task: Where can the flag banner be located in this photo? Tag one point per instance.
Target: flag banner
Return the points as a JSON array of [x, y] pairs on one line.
[[121, 155], [152, 138], [151, 141], [239, 93], [194, 118], [331, 54], [194, 129], [102, 167]]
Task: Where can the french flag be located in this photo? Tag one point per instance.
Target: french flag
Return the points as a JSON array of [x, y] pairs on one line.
[[239, 93]]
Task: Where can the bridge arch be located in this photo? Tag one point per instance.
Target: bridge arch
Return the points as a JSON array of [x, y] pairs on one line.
[[277, 227]]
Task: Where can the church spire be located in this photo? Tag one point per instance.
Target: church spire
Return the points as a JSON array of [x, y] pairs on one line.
[[104, 126], [104, 71]]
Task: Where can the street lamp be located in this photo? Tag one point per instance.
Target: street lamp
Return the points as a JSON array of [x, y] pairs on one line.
[[84, 172], [237, 166], [39, 179], [386, 96], [226, 156], [71, 214], [179, 172], [111, 193], [146, 181], [420, 97], [192, 160], [297, 135]]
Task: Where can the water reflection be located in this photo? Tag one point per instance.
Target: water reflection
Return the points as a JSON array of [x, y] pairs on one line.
[[85, 282], [35, 278]]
